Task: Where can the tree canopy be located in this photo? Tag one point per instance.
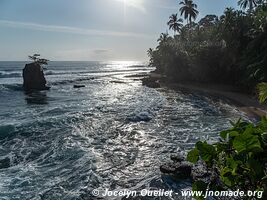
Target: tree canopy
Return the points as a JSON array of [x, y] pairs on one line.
[[36, 59]]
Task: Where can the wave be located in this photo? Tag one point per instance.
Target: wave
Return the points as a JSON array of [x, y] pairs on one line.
[[6, 130], [13, 87], [138, 116], [10, 75], [62, 82]]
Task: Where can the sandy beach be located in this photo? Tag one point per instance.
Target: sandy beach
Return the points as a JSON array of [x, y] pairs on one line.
[[244, 102]]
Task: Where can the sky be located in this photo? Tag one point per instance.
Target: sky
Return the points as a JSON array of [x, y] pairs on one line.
[[88, 30]]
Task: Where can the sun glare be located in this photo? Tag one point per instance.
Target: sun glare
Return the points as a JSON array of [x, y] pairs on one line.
[[138, 4]]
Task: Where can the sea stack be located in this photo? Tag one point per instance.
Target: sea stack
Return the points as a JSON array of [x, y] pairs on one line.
[[33, 77]]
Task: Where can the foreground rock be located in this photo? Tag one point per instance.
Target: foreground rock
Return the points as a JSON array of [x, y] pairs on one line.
[[183, 170], [33, 77], [150, 82], [153, 80]]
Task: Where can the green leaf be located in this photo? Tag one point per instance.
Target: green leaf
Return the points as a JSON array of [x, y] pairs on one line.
[[199, 186], [206, 151], [193, 156], [262, 88], [222, 147], [223, 134], [257, 168], [264, 121], [264, 135], [233, 164], [226, 176], [247, 142], [233, 133]]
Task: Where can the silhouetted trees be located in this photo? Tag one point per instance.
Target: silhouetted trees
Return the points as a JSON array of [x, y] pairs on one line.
[[36, 59], [175, 24], [189, 10], [228, 49]]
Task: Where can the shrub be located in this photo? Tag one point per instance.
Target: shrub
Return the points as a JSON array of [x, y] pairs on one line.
[[36, 59], [239, 159]]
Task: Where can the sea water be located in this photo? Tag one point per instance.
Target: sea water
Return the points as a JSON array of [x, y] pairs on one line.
[[111, 135]]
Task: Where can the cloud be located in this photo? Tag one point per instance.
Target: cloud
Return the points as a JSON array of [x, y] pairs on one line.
[[69, 29], [83, 54], [100, 51]]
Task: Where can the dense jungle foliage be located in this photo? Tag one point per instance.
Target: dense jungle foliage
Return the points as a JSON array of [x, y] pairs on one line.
[[230, 49]]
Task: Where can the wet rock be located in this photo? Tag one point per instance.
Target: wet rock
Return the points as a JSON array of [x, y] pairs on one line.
[[117, 82], [33, 77], [78, 86], [139, 75], [168, 168], [200, 172], [180, 169], [183, 169], [5, 163], [150, 82]]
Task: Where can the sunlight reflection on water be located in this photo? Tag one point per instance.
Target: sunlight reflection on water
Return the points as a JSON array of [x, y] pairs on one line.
[[112, 134]]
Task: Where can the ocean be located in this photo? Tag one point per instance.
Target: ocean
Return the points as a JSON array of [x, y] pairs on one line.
[[112, 134]]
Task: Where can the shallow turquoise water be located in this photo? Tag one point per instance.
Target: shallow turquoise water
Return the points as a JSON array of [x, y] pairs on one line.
[[63, 143]]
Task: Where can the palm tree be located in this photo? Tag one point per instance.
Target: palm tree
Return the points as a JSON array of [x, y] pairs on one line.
[[163, 38], [150, 52], [164, 41], [189, 10], [175, 24], [248, 3]]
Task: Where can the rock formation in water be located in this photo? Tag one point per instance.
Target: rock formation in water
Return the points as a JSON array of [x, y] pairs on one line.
[[150, 82], [78, 86], [181, 169], [33, 77]]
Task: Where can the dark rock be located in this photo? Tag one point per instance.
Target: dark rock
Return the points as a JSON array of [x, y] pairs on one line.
[[5, 163], [117, 82], [200, 172], [168, 168], [140, 75], [33, 77], [181, 169], [78, 86], [36, 97], [151, 82], [184, 170]]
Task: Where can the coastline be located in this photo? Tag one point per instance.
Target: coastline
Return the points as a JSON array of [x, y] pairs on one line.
[[244, 102]]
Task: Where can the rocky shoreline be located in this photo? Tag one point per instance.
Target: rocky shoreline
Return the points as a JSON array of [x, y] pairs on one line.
[[179, 168], [244, 102]]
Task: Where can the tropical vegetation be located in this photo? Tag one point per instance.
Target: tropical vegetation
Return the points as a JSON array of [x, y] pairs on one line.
[[175, 24], [36, 59], [239, 159], [228, 49]]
